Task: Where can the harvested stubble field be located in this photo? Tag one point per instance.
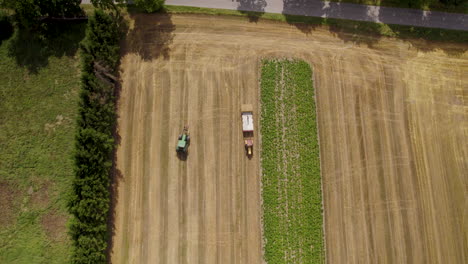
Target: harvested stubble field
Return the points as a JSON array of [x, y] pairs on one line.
[[392, 121]]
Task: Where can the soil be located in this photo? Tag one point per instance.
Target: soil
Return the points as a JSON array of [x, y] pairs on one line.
[[9, 203], [392, 119], [54, 226], [40, 198]]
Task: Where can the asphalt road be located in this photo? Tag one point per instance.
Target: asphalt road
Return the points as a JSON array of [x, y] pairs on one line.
[[317, 8]]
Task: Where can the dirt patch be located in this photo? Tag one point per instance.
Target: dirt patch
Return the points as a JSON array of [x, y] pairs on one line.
[[40, 197], [59, 120], [53, 224], [9, 195]]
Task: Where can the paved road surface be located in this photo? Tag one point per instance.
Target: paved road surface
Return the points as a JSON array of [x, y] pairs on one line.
[[317, 8]]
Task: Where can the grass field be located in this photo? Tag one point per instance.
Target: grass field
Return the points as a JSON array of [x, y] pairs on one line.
[[39, 84], [292, 198]]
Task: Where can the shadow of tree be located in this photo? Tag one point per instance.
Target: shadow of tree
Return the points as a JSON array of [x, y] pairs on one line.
[[452, 42], [313, 14], [368, 33], [116, 177], [357, 33], [254, 9], [32, 49], [6, 28], [348, 32], [150, 36], [300, 9]]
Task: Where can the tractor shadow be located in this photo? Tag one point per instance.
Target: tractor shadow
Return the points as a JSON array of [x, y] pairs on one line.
[[182, 156]]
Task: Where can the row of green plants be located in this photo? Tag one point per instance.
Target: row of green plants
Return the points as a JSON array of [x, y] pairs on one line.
[[292, 199], [90, 202]]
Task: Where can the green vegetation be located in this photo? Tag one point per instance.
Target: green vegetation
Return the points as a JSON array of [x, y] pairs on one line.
[[455, 6], [37, 124], [109, 5], [149, 6], [28, 12], [90, 201], [355, 29], [88, 9], [292, 198]]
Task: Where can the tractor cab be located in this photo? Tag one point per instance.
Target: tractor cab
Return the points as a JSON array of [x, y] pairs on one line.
[[183, 141]]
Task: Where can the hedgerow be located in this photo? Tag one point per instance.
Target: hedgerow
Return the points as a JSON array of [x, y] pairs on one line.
[[94, 148], [291, 184]]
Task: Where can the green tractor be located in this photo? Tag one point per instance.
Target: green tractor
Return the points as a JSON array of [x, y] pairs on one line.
[[183, 142]]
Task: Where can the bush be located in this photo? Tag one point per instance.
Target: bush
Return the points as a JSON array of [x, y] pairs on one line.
[[28, 12], [94, 148], [149, 6]]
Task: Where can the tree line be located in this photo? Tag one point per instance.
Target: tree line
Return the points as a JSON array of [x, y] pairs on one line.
[[149, 6], [89, 201], [94, 144], [27, 12]]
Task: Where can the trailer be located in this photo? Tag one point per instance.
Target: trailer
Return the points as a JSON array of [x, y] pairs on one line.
[[247, 127]]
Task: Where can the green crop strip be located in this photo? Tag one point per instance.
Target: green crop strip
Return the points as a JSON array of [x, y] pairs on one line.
[[292, 199]]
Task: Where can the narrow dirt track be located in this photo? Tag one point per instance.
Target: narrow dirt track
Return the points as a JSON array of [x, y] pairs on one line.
[[393, 130]]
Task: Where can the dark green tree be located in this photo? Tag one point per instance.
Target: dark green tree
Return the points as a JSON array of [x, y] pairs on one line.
[[90, 201], [150, 6], [27, 12], [454, 2], [107, 4]]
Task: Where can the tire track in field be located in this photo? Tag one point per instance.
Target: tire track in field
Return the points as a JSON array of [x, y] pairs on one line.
[[182, 181], [201, 174], [391, 119], [164, 172], [148, 96]]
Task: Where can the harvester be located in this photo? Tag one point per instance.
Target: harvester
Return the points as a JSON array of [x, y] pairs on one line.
[[183, 141], [247, 128]]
